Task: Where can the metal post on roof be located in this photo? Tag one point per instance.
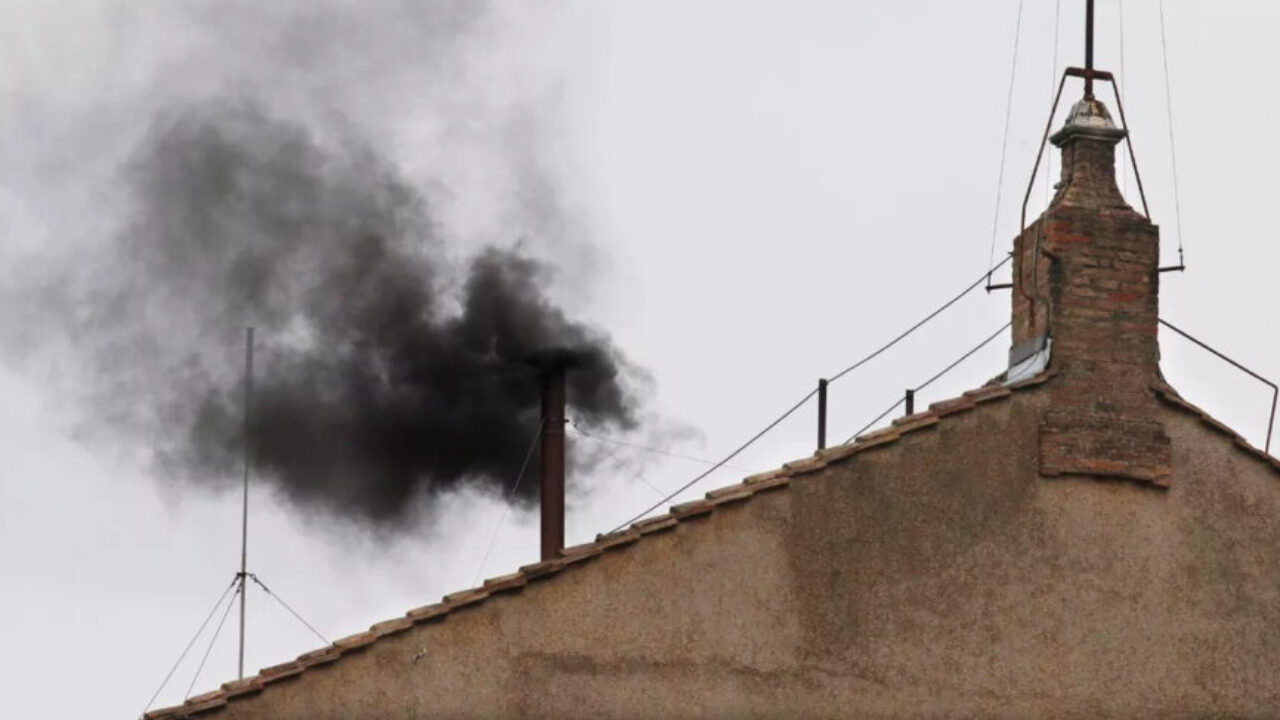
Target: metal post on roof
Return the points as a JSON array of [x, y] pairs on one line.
[[244, 517], [911, 402], [822, 413], [1088, 49]]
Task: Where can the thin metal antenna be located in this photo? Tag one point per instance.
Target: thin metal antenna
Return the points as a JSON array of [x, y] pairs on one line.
[[241, 579], [244, 518]]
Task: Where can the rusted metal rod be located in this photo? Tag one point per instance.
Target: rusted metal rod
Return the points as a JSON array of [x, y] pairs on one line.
[[1275, 391], [1088, 48], [1128, 141], [1085, 73], [552, 460], [1035, 255], [1044, 140]]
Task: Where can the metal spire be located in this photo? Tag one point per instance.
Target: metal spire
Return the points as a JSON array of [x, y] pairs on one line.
[[1088, 49]]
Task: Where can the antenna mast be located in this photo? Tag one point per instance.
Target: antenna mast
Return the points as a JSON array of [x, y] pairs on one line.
[[241, 581], [244, 518]]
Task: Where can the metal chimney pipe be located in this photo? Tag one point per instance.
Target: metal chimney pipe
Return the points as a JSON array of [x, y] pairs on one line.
[[552, 450]]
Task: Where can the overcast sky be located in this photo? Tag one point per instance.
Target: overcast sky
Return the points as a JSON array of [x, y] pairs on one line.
[[746, 196]]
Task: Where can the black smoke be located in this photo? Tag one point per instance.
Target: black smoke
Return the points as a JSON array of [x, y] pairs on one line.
[[388, 369]]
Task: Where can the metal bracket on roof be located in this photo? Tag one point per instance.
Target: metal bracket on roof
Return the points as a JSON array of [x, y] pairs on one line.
[[1275, 389]]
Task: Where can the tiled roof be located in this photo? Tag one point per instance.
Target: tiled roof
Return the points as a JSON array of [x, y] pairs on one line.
[[1171, 397], [748, 488]]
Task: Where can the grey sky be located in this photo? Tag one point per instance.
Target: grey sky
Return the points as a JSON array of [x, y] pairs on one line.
[[747, 195]]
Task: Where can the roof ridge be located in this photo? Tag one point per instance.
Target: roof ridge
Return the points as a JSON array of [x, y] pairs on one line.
[[750, 487]]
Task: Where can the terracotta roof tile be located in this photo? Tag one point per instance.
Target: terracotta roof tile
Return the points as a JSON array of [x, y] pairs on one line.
[[244, 686], [776, 483], [204, 697], [505, 583], [357, 641], [320, 657], [919, 421], [578, 553], [427, 612], [731, 493], [749, 487], [988, 393], [692, 508], [542, 566], [839, 452], [281, 671], [608, 541], [878, 438], [199, 703], [952, 406], [392, 626], [805, 466], [463, 598], [209, 701]]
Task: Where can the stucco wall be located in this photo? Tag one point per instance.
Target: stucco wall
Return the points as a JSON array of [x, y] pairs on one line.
[[938, 576]]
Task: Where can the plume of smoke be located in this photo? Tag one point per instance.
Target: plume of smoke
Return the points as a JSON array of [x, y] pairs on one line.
[[388, 370], [250, 147]]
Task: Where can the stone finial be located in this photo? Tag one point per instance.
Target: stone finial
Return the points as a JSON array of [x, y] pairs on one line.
[[1088, 140], [1088, 118]]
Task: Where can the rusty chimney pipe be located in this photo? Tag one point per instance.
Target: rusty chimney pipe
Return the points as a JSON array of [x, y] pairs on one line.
[[552, 451]]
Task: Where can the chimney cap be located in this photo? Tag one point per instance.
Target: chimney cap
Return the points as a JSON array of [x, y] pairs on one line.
[[1088, 118], [555, 358]]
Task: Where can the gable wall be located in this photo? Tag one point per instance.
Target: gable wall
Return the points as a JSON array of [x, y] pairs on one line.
[[939, 575]]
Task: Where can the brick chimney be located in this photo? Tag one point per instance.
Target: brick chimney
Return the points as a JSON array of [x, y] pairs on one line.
[[1085, 295]]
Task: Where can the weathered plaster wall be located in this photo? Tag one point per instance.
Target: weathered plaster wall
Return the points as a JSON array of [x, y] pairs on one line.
[[975, 591], [939, 576]]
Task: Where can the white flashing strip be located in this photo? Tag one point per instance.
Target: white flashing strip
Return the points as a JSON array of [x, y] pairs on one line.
[[1032, 366]]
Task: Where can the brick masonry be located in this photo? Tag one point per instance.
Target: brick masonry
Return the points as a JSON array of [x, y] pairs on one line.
[[1094, 289]]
